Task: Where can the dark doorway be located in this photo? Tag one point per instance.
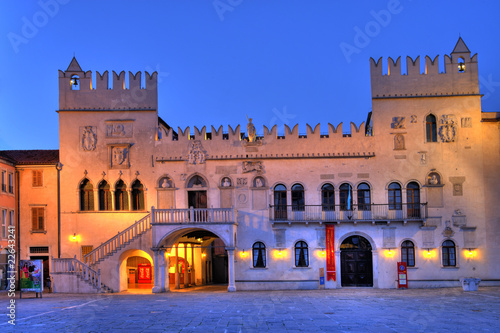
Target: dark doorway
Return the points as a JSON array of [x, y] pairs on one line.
[[197, 199], [356, 262]]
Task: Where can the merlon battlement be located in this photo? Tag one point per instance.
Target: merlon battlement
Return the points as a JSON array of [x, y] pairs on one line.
[[459, 75], [77, 90]]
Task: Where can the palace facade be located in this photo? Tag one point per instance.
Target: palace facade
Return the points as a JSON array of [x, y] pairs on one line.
[[133, 202]]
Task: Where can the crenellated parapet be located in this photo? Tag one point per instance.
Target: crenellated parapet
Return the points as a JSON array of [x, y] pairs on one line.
[[460, 76], [77, 90]]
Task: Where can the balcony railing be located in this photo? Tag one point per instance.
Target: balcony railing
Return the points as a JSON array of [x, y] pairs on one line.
[[194, 215], [342, 213]]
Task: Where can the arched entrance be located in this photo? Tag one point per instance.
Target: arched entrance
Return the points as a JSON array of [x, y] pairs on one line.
[[136, 270], [356, 262]]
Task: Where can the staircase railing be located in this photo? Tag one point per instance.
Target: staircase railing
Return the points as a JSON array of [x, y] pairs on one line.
[[74, 266], [114, 244]]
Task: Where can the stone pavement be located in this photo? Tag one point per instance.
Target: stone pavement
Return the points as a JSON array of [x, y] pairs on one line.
[[214, 310]]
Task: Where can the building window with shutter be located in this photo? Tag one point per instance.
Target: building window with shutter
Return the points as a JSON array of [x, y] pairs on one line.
[[11, 183], [37, 178], [37, 219]]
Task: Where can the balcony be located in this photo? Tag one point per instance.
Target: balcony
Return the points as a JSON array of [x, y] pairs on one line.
[[193, 215], [341, 214]]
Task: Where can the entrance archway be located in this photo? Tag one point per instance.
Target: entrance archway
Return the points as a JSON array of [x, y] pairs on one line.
[[134, 266], [356, 262]]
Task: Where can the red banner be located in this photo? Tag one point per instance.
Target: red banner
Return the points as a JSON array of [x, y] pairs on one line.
[[330, 252]]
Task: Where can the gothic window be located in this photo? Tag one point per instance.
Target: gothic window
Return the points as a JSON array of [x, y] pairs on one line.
[[298, 201], [121, 197], [448, 252], [408, 253], [280, 202], [259, 255], [413, 200], [104, 196], [137, 195], [86, 195], [345, 193], [328, 197], [364, 200], [395, 196], [301, 254], [430, 128]]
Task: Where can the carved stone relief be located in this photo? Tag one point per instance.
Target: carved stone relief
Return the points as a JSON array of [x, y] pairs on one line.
[[241, 181], [259, 182], [119, 130], [466, 122], [88, 136], [398, 123], [120, 156], [413, 119], [399, 142], [433, 178], [459, 219], [448, 232], [248, 166], [457, 185], [226, 182], [448, 128], [423, 157], [196, 153]]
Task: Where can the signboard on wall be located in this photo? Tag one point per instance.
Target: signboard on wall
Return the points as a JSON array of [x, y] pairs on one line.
[[144, 273], [31, 275], [402, 275]]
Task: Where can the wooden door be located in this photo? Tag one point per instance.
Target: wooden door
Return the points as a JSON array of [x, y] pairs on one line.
[[356, 268]]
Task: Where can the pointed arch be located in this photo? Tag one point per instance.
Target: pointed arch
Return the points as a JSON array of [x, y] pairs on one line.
[[431, 128], [137, 195], [86, 195], [121, 195], [104, 194]]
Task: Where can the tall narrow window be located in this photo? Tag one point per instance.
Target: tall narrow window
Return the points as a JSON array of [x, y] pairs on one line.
[[328, 197], [4, 184], [11, 183], [345, 191], [4, 223], [301, 254], [364, 200], [37, 219], [137, 195], [408, 253], [395, 196], [86, 195], [430, 128], [280, 202], [413, 200], [449, 258], [11, 222], [104, 196], [259, 255], [121, 196], [37, 179], [298, 201]]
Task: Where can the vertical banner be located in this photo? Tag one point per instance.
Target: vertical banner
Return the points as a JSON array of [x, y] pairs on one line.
[[31, 275], [330, 252], [144, 273]]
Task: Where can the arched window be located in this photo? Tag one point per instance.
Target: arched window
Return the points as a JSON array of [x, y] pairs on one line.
[[280, 202], [395, 196], [430, 128], [104, 196], [449, 251], [301, 254], [197, 181], [259, 255], [121, 196], [345, 191], [328, 197], [298, 201], [408, 253], [364, 199], [137, 195], [86, 195], [413, 200]]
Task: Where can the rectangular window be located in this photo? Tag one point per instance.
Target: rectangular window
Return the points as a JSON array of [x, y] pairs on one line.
[[37, 178], [37, 218], [4, 223], [11, 221], [11, 183], [39, 249], [4, 185], [86, 249]]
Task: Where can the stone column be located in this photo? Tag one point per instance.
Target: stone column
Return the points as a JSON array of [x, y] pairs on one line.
[[177, 280], [193, 275], [166, 274], [230, 268], [156, 266], [186, 274], [161, 271]]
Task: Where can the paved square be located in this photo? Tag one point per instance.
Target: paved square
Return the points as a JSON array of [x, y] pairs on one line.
[[214, 310]]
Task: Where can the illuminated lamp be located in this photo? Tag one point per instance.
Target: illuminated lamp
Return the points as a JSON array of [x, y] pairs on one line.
[[74, 237]]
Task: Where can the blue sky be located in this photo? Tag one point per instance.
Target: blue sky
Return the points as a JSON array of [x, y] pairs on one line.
[[279, 62]]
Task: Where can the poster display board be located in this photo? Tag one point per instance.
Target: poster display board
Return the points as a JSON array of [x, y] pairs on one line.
[[144, 273], [31, 279], [402, 275]]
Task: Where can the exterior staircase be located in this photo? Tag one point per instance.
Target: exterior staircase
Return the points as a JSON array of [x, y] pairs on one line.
[[76, 269], [117, 242]]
